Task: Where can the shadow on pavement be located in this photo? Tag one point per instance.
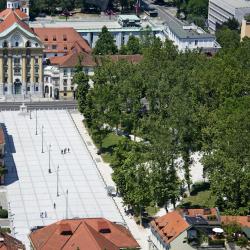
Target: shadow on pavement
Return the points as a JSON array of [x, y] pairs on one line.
[[10, 165]]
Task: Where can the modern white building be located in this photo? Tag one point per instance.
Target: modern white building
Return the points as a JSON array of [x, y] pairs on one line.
[[220, 11], [23, 5], [189, 36], [121, 27]]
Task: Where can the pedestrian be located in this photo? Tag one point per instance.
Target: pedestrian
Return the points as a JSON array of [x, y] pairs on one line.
[[41, 215], [68, 150], [65, 150], [54, 205], [45, 214], [62, 151]]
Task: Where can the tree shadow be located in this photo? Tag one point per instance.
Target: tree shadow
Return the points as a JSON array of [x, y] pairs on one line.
[[198, 187], [9, 162]]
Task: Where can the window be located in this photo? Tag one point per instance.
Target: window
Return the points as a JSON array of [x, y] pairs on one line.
[[65, 82], [16, 60], [28, 79], [64, 38], [65, 47], [46, 78], [54, 46], [28, 44], [36, 88], [72, 88], [5, 89], [36, 44], [17, 44], [36, 60], [17, 71], [65, 72], [36, 79], [28, 88], [36, 70], [196, 42], [55, 54], [65, 89], [46, 38], [5, 44], [54, 38], [6, 79]]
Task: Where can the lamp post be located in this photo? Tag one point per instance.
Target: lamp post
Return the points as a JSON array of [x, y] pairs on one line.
[[67, 203], [36, 121], [42, 139], [49, 158], [57, 181], [30, 115]]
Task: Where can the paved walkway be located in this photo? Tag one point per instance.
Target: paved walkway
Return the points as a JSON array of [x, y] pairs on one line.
[[32, 190], [139, 233]]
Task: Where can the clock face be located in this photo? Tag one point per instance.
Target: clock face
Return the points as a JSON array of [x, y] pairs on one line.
[[16, 38]]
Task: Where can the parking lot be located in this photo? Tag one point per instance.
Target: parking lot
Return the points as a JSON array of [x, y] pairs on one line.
[[32, 190]]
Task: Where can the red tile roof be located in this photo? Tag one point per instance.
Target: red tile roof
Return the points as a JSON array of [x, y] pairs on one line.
[[2, 141], [72, 59], [200, 212], [83, 233], [11, 18], [10, 243], [19, 13], [242, 220], [170, 226], [65, 39]]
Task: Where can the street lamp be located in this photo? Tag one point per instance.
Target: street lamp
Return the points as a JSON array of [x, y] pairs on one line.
[[36, 121], [57, 181], [42, 139], [49, 158], [67, 203]]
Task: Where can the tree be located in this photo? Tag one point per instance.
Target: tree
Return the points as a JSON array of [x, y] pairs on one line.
[[105, 44], [82, 83], [228, 38], [133, 45]]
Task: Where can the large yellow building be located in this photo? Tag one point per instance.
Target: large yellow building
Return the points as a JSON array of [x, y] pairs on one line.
[[21, 52]]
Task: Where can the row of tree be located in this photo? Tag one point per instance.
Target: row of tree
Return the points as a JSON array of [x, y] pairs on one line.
[[179, 103]]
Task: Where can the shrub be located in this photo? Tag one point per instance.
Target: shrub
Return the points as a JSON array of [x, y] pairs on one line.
[[217, 242], [3, 213]]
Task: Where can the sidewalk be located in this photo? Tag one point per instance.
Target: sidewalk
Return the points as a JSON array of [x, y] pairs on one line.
[[139, 233]]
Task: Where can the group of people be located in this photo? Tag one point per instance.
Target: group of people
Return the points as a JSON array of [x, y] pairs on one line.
[[65, 150], [43, 215]]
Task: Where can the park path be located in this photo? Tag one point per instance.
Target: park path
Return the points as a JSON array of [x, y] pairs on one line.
[[140, 234]]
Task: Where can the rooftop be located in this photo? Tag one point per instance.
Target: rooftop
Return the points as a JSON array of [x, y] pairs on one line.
[[85, 234], [10, 243], [244, 221], [184, 30], [234, 3]]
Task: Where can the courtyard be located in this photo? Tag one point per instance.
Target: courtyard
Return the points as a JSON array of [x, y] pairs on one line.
[[37, 197]]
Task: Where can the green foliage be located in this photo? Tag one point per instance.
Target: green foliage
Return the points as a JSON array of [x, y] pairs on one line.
[[228, 38], [179, 103], [3, 213], [105, 44]]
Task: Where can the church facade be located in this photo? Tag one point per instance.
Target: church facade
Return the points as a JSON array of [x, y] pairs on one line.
[[21, 51]]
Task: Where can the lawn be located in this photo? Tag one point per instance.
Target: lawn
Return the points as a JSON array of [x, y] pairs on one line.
[[203, 199], [108, 145]]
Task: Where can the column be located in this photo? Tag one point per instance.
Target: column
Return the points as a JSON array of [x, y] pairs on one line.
[[40, 79], [10, 76], [1, 77], [24, 73], [32, 73]]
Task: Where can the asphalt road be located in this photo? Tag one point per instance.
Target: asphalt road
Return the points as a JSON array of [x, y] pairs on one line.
[[50, 105]]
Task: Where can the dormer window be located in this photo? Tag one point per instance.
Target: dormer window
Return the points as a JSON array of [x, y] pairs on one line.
[[64, 38], [46, 38], [54, 38]]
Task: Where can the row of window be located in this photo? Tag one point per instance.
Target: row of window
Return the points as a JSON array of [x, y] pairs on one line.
[[27, 89], [27, 44], [27, 79], [54, 38]]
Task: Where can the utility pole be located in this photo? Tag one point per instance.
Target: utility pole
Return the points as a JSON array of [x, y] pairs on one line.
[[36, 121], [49, 158], [67, 203], [57, 181], [42, 139]]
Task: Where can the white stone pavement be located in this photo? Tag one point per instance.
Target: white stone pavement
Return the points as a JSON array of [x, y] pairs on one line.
[[140, 234], [32, 190]]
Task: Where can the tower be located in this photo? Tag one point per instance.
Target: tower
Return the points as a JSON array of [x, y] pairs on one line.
[[23, 5]]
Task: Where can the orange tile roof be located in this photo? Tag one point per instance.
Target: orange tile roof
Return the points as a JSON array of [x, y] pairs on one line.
[[170, 226], [2, 141], [65, 39], [11, 18], [82, 233], [10, 243], [242, 220], [200, 211], [71, 60], [19, 13]]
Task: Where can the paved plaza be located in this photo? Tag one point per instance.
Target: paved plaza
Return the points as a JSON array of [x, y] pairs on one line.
[[32, 190]]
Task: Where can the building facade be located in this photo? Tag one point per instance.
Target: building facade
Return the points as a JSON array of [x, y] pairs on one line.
[[21, 51], [220, 11], [23, 5]]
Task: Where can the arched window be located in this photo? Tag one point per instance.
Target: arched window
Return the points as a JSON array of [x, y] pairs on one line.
[[16, 44], [5, 44], [28, 44]]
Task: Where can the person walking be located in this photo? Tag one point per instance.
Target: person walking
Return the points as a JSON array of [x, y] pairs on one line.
[[54, 205], [68, 150], [45, 214]]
